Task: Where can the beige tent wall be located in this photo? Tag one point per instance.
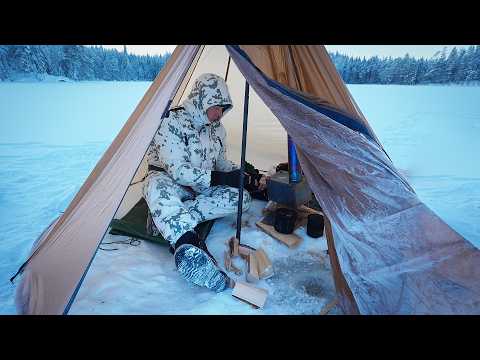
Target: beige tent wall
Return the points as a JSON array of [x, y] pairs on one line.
[[266, 138], [65, 252], [134, 192]]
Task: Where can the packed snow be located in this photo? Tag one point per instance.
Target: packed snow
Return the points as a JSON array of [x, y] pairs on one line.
[[52, 135], [143, 280]]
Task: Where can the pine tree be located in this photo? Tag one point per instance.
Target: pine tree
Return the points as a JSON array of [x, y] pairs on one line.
[[451, 66], [4, 67], [460, 75]]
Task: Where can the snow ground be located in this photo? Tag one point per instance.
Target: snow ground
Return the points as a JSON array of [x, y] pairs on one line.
[[144, 280], [52, 135]]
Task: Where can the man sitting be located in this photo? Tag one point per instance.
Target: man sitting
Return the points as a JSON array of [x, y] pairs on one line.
[[191, 181]]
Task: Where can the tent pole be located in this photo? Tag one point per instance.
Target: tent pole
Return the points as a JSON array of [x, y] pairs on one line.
[[228, 67], [242, 161]]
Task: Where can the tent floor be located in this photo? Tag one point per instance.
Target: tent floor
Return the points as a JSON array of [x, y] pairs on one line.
[[143, 280]]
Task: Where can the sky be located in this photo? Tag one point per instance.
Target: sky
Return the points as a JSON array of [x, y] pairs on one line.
[[417, 51]]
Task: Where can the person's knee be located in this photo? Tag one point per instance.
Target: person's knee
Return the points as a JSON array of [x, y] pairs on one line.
[[247, 200]]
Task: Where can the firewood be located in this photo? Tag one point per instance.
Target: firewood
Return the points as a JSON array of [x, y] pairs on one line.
[[244, 251], [229, 266], [264, 265], [233, 246], [250, 294], [227, 261], [252, 269]]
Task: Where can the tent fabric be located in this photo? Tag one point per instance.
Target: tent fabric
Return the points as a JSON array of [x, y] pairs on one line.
[[390, 254], [63, 255], [395, 256]]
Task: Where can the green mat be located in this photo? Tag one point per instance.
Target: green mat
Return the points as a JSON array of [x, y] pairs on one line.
[[134, 224]]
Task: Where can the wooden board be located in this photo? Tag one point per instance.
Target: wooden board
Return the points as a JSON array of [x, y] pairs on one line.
[[302, 216], [250, 294], [291, 240], [303, 212]]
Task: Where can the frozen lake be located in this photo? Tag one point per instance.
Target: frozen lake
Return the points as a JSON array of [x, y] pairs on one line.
[[52, 134]]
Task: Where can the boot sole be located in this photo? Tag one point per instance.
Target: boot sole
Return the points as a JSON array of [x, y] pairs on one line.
[[196, 266]]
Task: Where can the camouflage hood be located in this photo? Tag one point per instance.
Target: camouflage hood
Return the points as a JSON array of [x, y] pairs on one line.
[[208, 90]]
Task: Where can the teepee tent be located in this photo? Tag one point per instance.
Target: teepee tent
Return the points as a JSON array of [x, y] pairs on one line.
[[390, 254]]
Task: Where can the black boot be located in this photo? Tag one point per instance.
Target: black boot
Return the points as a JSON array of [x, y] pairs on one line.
[[191, 237], [196, 264]]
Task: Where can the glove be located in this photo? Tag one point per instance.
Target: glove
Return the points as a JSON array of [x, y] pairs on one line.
[[282, 166], [230, 178]]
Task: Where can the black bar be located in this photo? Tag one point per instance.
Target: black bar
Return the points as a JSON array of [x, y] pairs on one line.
[[242, 161]]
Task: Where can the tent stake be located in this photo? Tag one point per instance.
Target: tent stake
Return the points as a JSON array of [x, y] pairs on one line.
[[242, 162]]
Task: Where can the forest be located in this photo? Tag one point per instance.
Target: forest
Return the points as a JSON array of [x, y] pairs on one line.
[[79, 62]]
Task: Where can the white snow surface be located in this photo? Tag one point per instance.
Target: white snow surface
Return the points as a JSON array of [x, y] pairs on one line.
[[53, 134], [143, 279]]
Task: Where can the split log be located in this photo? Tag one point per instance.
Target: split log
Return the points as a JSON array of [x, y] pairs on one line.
[[250, 294], [264, 265], [233, 246], [252, 269], [229, 266]]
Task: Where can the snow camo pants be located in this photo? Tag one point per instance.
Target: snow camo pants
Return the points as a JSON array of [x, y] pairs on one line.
[[177, 209]]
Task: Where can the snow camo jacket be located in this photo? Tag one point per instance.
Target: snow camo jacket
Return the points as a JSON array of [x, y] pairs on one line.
[[186, 145]]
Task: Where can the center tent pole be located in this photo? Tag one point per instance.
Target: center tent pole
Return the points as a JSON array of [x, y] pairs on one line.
[[242, 162]]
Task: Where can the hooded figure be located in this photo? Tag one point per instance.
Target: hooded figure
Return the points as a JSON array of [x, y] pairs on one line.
[[190, 180]]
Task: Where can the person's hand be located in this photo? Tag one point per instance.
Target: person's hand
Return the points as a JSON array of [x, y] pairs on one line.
[[229, 178], [262, 183]]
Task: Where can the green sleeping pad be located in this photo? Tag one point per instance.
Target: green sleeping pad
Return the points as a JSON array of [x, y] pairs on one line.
[[134, 224]]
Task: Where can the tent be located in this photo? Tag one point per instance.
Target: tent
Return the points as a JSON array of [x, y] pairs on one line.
[[390, 254]]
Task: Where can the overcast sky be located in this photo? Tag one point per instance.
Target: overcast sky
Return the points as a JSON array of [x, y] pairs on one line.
[[353, 50]]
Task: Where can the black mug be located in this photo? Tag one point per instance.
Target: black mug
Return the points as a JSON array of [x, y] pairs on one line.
[[315, 225], [285, 220]]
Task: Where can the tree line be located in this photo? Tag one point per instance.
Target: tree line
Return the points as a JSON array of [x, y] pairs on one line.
[[78, 62], [458, 66]]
